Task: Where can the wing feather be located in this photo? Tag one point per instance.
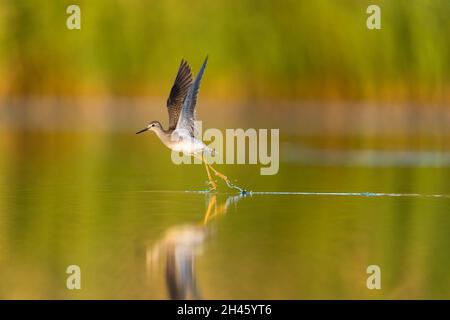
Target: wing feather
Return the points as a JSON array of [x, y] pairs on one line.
[[178, 93], [187, 116]]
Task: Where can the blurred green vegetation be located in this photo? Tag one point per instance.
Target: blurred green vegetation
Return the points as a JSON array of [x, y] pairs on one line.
[[258, 49]]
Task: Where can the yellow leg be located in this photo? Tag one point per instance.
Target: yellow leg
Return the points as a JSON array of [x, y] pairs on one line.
[[217, 173], [225, 178], [211, 181], [220, 175]]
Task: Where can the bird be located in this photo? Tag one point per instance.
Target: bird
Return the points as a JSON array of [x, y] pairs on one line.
[[180, 136]]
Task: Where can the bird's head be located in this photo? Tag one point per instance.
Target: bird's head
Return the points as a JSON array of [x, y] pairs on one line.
[[152, 126]]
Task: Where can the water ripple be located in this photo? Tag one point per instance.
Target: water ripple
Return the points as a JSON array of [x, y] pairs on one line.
[[300, 193]]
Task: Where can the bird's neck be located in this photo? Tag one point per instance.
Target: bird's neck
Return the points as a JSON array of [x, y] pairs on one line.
[[163, 135]]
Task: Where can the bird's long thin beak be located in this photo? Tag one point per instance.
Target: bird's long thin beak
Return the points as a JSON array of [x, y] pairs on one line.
[[143, 130]]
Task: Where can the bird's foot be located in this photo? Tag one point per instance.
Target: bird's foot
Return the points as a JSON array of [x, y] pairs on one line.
[[230, 184], [212, 185], [233, 186]]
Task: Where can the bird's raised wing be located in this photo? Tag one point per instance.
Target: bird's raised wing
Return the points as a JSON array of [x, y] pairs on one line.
[[187, 116], [178, 93]]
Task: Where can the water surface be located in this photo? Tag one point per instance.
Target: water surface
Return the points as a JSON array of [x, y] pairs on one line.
[[137, 226]]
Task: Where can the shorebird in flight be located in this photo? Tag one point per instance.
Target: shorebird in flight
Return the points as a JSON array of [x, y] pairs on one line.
[[180, 136]]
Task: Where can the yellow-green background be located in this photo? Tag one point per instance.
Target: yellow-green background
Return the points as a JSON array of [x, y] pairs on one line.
[[358, 111]]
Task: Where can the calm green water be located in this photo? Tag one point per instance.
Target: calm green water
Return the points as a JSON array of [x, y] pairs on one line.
[[115, 205]]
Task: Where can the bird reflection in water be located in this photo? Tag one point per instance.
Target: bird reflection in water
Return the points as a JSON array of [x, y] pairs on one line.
[[180, 246]]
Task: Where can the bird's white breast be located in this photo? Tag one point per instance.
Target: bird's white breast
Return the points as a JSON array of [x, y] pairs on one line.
[[189, 147], [187, 144]]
